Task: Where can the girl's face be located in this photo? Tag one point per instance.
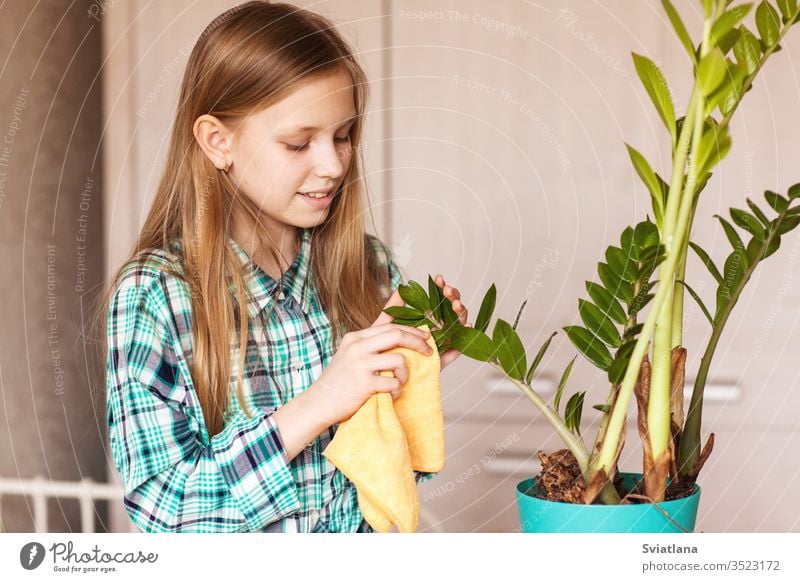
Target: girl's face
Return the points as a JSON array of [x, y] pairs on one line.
[[300, 144]]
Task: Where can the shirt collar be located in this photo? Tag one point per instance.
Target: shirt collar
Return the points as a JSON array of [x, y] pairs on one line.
[[263, 288]]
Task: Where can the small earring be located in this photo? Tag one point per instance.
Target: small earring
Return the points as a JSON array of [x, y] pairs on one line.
[[227, 167]]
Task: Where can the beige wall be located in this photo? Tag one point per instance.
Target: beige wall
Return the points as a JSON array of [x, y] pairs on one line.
[[51, 207]]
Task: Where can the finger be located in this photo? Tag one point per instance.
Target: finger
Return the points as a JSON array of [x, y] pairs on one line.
[[386, 384], [452, 292], [384, 327], [447, 357], [385, 341], [394, 363]]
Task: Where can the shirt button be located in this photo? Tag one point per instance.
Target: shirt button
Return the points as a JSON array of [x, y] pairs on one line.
[[314, 515], [297, 365], [280, 295]]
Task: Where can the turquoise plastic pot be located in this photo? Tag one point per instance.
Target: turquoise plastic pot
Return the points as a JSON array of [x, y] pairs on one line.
[[543, 516]]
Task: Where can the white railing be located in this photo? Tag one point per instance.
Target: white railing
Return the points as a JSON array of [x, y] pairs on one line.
[[85, 491]]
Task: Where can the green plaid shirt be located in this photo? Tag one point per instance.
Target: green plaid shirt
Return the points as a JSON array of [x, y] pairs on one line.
[[176, 478]]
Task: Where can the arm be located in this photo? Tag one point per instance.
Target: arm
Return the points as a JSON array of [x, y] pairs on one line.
[[176, 478]]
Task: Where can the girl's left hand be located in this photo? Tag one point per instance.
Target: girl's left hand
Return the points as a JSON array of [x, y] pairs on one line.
[[449, 356]]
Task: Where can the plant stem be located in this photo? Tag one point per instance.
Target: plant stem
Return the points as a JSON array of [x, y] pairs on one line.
[[574, 443], [605, 458], [689, 450]]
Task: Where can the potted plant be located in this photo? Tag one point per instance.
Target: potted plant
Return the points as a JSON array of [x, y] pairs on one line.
[[634, 313]]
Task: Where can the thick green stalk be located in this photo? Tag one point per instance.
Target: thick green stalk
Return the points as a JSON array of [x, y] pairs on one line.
[[658, 408], [680, 275], [604, 460]]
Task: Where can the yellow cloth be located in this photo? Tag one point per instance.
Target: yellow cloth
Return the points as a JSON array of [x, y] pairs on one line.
[[385, 441]]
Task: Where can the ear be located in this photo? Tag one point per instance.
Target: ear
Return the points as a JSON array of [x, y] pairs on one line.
[[215, 139]]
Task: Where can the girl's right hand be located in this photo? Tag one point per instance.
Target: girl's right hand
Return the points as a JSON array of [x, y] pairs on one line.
[[353, 373]]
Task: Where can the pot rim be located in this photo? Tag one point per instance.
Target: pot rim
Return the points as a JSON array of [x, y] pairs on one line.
[[524, 485]]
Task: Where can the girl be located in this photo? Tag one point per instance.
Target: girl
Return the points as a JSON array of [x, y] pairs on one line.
[[248, 323]]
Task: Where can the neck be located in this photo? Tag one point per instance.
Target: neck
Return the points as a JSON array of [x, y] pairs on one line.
[[283, 238]]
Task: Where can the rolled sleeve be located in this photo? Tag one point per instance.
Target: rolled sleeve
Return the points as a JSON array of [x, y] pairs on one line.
[[176, 479], [255, 467]]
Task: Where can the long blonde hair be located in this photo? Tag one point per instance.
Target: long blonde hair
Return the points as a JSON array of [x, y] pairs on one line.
[[247, 59]]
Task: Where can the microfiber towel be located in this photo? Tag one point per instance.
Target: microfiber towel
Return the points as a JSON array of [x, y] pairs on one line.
[[386, 440]]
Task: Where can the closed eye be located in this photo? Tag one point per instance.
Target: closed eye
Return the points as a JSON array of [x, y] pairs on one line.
[[299, 148]]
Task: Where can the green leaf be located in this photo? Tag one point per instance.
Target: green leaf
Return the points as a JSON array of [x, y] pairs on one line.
[[436, 299], [756, 250], [410, 322], [768, 23], [650, 180], [699, 301], [487, 308], [787, 224], [758, 212], [640, 301], [621, 264], [748, 222], [613, 283], [788, 9], [573, 412], [645, 234], [404, 312], [616, 372], [735, 266], [599, 323], [414, 295], [606, 302], [728, 20], [707, 6], [473, 343], [779, 203], [773, 246], [538, 358], [747, 50], [726, 43], [729, 93], [794, 192], [591, 347], [714, 145], [711, 71], [510, 350], [649, 258], [680, 29], [562, 383], [656, 86], [628, 245], [730, 232], [449, 317], [604, 408]]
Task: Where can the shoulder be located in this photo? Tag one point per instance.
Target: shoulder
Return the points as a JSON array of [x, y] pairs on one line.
[[385, 261], [152, 281], [379, 250]]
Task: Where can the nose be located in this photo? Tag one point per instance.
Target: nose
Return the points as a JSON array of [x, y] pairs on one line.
[[330, 162]]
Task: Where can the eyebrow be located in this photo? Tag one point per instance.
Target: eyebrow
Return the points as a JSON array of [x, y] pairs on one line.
[[314, 128]]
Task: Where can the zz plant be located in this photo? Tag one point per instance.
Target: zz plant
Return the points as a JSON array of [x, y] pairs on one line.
[[632, 318]]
